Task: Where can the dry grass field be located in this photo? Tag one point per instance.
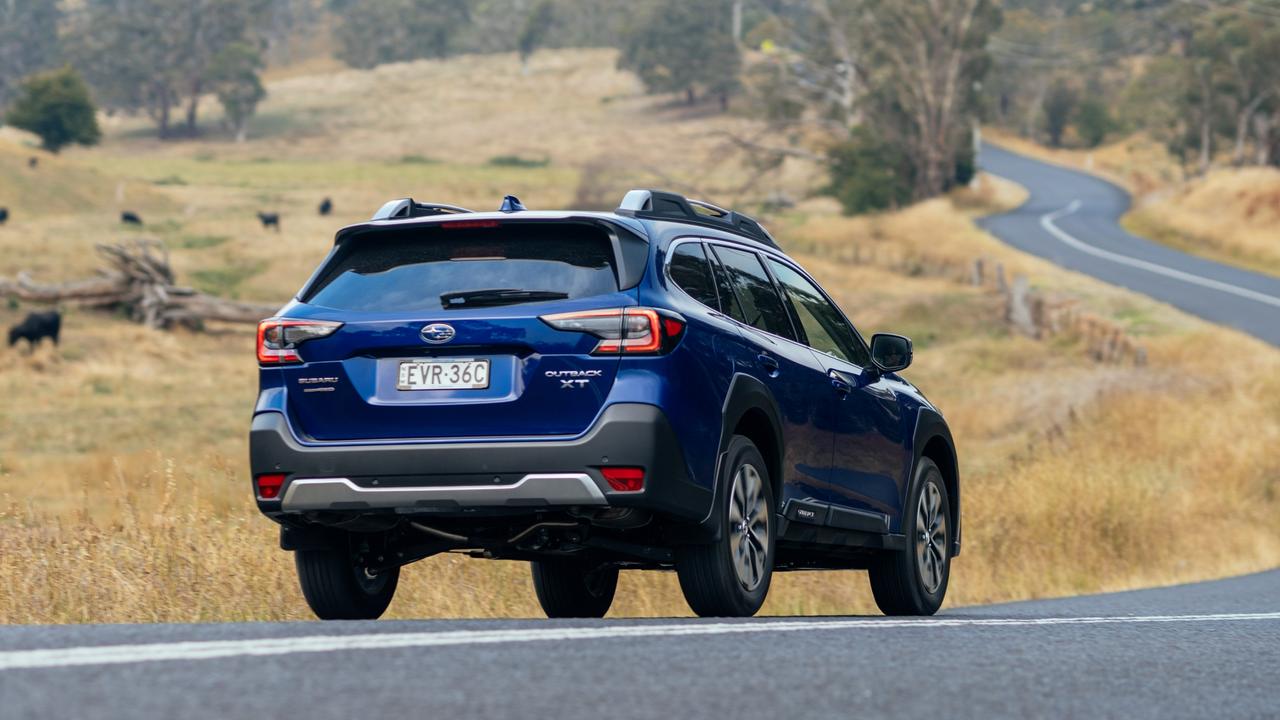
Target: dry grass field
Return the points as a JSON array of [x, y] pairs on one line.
[[124, 494]]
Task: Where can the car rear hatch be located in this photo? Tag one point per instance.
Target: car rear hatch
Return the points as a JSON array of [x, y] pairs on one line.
[[441, 336]]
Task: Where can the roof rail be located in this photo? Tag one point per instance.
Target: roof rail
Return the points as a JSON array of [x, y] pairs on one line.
[[409, 208], [662, 205]]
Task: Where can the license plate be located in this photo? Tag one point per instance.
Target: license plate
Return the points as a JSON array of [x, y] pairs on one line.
[[443, 375]]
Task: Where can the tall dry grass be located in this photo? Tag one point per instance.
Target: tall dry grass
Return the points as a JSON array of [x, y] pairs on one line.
[[1232, 216]]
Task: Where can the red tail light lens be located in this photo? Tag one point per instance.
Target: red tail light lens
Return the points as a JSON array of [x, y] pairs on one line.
[[624, 331], [279, 338], [624, 479], [269, 486]]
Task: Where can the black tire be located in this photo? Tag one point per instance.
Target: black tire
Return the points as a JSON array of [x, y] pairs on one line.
[[574, 587], [336, 588], [714, 581], [914, 581]]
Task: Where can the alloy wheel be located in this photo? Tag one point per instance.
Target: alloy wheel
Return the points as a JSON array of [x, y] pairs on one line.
[[931, 538], [748, 527]]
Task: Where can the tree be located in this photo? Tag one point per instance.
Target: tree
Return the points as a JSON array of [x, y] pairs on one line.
[[55, 105], [157, 55], [234, 75], [1251, 54], [1059, 104], [383, 31], [1093, 122], [683, 46], [28, 41], [534, 32], [926, 58]]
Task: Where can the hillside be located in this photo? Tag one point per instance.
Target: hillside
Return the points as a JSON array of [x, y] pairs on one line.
[[123, 474], [1230, 215]]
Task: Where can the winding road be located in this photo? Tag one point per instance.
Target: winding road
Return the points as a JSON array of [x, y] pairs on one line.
[[1192, 651], [1072, 219]]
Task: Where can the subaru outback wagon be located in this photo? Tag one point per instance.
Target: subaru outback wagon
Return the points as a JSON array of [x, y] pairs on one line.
[[659, 387]]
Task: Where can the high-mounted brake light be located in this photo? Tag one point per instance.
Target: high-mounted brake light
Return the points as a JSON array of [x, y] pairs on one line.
[[624, 331], [469, 224], [279, 338]]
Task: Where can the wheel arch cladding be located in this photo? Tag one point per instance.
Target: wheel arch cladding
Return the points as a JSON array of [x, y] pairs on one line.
[[751, 411], [933, 440]]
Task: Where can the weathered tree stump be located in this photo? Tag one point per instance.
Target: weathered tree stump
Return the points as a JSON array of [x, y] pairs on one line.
[[138, 281]]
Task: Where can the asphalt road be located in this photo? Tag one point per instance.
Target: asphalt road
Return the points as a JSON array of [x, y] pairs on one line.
[[1072, 219], [1193, 651]]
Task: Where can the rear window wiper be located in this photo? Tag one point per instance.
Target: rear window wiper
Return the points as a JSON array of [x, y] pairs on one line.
[[498, 296]]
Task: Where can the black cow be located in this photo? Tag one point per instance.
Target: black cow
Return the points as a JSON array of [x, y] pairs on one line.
[[4, 215], [32, 162], [270, 220], [326, 206], [129, 217], [35, 327]]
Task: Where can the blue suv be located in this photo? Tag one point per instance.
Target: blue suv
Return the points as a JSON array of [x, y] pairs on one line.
[[652, 388]]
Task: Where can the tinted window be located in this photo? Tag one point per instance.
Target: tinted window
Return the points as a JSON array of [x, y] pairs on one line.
[[431, 269], [692, 273], [825, 327], [761, 306]]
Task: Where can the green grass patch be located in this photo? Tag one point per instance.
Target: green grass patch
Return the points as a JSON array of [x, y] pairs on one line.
[[170, 180], [199, 242], [417, 160], [948, 318], [516, 161], [225, 280]]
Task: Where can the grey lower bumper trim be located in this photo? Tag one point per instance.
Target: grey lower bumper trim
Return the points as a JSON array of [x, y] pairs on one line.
[[536, 489]]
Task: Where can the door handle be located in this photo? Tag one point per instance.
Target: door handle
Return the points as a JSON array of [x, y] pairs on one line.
[[769, 363], [842, 386]]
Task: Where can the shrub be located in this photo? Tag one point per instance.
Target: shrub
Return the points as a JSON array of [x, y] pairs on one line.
[[55, 105], [868, 174]]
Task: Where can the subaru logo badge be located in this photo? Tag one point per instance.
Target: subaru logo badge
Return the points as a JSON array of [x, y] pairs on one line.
[[437, 333]]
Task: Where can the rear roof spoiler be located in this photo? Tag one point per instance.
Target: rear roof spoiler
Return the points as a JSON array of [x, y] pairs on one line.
[[409, 208], [662, 205]]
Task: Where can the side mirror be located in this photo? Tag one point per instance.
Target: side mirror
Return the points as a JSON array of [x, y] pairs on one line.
[[890, 353]]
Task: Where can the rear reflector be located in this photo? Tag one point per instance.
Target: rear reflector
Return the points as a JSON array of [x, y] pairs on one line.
[[624, 479], [269, 486]]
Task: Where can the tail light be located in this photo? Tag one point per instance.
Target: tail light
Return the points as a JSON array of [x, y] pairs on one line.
[[624, 331], [624, 479], [279, 338]]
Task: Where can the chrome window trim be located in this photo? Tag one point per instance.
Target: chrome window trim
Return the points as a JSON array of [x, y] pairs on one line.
[[770, 255]]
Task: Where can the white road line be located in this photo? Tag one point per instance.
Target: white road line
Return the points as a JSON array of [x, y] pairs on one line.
[[212, 649], [1047, 222]]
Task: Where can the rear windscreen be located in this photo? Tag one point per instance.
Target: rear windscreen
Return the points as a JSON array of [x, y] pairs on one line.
[[435, 268]]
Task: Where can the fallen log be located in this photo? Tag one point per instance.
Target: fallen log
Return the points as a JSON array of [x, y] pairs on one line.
[[139, 282]]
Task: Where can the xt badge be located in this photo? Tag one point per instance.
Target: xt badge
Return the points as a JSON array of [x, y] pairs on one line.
[[571, 379]]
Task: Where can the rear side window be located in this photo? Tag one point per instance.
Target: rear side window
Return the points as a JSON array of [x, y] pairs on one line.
[[692, 273], [824, 325], [760, 305], [433, 268]]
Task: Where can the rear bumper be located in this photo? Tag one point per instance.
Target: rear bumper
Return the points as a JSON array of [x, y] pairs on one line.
[[444, 477]]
